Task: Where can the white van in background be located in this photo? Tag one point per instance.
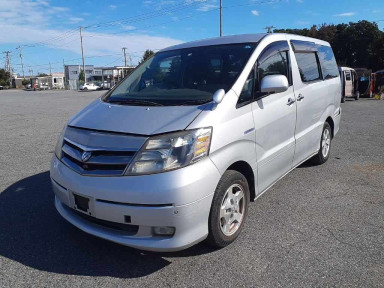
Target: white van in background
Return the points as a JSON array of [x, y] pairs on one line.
[[349, 84], [174, 153]]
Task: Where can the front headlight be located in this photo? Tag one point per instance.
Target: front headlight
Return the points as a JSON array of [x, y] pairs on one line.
[[59, 144], [171, 151]]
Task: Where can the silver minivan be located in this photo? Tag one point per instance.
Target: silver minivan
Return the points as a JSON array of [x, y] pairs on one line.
[[176, 151]]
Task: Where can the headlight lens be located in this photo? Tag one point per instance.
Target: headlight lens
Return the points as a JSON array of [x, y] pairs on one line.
[[59, 144], [171, 151]]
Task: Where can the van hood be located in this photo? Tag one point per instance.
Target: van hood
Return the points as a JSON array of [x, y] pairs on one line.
[[142, 120]]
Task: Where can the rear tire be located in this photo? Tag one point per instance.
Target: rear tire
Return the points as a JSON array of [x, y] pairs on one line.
[[229, 209], [343, 96], [325, 145]]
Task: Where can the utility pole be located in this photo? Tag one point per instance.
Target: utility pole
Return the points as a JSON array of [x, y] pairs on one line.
[[125, 56], [125, 61], [50, 69], [21, 59], [221, 18], [82, 51], [8, 65], [269, 29], [7, 61]]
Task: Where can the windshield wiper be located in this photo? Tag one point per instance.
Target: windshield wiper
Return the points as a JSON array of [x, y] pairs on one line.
[[135, 102], [195, 102]]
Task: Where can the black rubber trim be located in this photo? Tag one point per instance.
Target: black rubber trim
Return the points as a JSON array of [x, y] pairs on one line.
[[134, 204]]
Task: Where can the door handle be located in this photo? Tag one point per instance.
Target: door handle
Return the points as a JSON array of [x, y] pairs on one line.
[[291, 101], [300, 97]]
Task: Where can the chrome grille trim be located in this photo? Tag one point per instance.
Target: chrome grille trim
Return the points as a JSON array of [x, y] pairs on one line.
[[101, 163]]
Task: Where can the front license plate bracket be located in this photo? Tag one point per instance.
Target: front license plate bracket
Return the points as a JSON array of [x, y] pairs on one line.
[[81, 203]]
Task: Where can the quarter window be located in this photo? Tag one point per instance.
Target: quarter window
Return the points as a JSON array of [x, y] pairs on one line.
[[308, 66]]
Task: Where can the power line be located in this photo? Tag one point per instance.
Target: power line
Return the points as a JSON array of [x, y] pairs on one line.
[[149, 15], [137, 18]]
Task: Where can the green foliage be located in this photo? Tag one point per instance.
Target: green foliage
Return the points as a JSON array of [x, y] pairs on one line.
[[4, 76], [42, 75], [3, 82], [357, 44], [25, 82], [82, 75], [148, 53]]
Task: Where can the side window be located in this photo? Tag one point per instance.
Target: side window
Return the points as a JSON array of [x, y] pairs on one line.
[[327, 62], [308, 66], [347, 75], [276, 64], [246, 95]]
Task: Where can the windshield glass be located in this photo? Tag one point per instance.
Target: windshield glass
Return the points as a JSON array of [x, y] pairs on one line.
[[183, 77]]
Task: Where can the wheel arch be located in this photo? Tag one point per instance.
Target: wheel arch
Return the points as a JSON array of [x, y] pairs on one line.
[[331, 123], [244, 168]]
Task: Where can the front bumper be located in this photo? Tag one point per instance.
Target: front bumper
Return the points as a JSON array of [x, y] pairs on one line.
[[180, 199]]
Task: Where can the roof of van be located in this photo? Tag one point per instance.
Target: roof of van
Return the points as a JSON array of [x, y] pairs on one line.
[[242, 38], [346, 68]]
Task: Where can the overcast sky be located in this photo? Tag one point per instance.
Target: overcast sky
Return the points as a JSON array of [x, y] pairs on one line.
[[47, 30]]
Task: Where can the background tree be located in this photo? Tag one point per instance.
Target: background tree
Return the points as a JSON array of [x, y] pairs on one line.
[[4, 77], [42, 75], [82, 75], [148, 53], [357, 44]]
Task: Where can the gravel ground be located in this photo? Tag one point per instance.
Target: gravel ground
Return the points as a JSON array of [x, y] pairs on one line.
[[318, 227]]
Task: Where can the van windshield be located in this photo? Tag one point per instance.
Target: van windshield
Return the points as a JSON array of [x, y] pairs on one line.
[[183, 77]]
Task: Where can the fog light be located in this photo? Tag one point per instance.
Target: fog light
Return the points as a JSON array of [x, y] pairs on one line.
[[163, 231]]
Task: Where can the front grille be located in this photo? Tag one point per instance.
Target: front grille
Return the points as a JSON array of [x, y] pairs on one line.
[[100, 162], [128, 229]]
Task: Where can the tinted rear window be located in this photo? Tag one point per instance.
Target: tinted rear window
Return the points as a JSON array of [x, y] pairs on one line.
[[347, 75], [327, 62], [308, 66]]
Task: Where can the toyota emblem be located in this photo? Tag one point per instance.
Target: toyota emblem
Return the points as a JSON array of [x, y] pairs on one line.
[[86, 155]]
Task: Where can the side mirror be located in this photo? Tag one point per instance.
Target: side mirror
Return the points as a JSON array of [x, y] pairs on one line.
[[218, 96], [274, 84]]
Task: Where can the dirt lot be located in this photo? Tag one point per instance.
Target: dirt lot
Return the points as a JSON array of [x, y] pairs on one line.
[[318, 227]]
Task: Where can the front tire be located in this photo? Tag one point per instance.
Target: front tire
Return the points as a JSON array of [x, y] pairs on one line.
[[325, 145], [229, 209], [357, 95]]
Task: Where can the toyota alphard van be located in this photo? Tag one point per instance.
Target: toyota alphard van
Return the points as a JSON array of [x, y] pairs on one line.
[[174, 153]]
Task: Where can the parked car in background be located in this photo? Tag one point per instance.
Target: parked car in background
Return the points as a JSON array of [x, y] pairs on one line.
[[174, 153], [89, 86], [43, 86], [377, 83], [364, 77], [1, 87], [349, 84]]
